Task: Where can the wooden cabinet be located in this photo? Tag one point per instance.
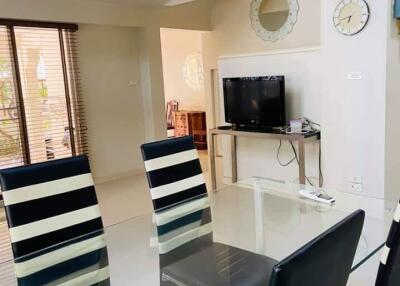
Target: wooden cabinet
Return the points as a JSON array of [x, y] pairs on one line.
[[181, 124], [192, 123]]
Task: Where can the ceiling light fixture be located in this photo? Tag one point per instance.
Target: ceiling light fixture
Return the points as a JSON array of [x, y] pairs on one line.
[[177, 2]]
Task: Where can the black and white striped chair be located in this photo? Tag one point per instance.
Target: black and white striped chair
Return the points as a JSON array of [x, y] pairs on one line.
[[389, 268], [55, 225], [178, 191], [188, 255]]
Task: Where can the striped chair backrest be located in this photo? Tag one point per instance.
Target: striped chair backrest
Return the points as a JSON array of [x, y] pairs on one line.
[[54, 221], [178, 191], [389, 268]]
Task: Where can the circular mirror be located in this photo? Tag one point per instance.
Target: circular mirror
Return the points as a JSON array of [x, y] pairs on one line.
[[273, 14], [273, 20]]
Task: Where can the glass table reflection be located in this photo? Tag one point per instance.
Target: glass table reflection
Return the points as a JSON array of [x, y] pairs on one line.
[[258, 215]]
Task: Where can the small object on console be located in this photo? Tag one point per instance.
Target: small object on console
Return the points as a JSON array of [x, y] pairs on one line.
[[296, 126], [225, 127], [317, 196]]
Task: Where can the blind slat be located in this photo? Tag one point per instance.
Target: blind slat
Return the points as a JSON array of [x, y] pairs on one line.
[[52, 125]]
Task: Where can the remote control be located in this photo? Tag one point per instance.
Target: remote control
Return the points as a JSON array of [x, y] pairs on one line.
[[317, 196]]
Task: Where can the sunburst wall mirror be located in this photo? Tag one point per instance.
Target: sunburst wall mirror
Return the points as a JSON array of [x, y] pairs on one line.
[[273, 20], [193, 71]]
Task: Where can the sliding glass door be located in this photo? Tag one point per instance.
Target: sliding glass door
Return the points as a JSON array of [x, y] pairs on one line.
[[40, 110]]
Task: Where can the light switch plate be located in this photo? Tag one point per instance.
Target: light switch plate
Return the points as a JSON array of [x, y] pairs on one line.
[[354, 76], [355, 179]]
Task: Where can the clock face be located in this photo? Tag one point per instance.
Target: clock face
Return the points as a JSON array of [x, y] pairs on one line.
[[351, 16]]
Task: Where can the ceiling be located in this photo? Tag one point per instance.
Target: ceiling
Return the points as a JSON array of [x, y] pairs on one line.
[[136, 3]]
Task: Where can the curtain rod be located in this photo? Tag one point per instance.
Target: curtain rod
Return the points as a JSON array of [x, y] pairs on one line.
[[38, 24]]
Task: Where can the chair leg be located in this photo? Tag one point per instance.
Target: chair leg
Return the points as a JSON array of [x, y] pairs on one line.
[[168, 281]]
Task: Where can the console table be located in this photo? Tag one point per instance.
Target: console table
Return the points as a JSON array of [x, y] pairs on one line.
[[301, 140]]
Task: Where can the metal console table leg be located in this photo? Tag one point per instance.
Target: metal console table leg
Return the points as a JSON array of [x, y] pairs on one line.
[[212, 162], [302, 162], [234, 158]]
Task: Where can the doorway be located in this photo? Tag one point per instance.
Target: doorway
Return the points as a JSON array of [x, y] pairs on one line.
[[184, 87]]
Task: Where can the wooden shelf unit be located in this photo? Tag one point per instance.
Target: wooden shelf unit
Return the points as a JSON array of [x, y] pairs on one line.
[[192, 123]]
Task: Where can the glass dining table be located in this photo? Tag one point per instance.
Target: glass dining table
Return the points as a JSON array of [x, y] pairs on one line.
[[259, 215]]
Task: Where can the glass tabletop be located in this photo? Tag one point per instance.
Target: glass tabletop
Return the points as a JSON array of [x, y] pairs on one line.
[[275, 220], [258, 215]]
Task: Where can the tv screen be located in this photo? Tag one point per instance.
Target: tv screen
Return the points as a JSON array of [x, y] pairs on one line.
[[255, 101]]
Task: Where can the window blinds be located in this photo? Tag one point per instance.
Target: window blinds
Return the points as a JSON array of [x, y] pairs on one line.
[[41, 112]]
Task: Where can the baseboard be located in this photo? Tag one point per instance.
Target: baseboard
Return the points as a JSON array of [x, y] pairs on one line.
[[227, 180], [119, 176]]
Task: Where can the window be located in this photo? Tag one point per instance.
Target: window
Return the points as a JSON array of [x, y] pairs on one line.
[[41, 116]]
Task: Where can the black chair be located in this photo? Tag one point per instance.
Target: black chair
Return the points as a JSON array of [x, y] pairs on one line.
[[188, 255], [326, 260], [389, 268], [55, 225]]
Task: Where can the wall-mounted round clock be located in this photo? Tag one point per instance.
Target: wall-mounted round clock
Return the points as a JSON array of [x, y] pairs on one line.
[[351, 16]]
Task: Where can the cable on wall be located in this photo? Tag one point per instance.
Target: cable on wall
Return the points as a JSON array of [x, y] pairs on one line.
[[312, 126]]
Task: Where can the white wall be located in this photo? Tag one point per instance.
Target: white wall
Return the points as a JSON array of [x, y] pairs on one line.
[[113, 103], [243, 53], [392, 167], [152, 87], [232, 28], [176, 46], [194, 15], [257, 157], [105, 61], [352, 112]]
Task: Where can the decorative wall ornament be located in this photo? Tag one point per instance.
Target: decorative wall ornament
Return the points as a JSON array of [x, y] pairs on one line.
[[193, 71], [283, 31], [396, 13], [351, 17]]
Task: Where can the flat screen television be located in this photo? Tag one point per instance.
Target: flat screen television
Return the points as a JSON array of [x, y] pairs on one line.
[[255, 101]]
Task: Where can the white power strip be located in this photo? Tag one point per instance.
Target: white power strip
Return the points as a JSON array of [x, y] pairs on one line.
[[316, 196]]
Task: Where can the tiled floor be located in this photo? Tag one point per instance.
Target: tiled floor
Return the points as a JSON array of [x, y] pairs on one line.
[[366, 274], [129, 197], [5, 250]]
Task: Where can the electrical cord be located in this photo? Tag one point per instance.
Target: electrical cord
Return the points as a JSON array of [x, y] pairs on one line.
[[321, 176], [277, 156], [295, 157], [309, 123]]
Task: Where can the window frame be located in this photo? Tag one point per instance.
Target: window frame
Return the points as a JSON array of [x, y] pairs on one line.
[[10, 24]]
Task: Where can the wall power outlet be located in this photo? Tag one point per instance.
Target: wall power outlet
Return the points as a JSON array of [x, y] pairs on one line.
[[355, 187]]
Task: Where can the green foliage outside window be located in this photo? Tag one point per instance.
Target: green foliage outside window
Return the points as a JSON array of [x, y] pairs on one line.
[[43, 91], [9, 146]]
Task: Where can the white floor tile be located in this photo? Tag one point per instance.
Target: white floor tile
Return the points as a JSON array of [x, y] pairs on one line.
[[366, 274], [123, 199]]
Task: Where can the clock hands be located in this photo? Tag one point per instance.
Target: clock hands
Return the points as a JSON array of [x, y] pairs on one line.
[[351, 16], [348, 18]]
